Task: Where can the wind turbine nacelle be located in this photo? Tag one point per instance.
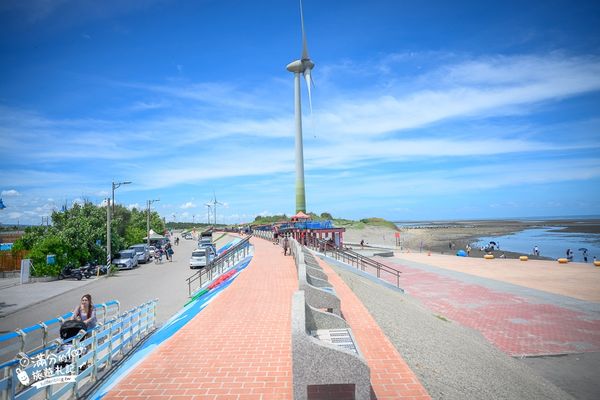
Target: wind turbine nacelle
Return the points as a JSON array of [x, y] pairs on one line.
[[296, 66]]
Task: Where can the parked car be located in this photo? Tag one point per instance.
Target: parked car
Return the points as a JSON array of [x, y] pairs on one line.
[[126, 259], [211, 247], [142, 252], [152, 251], [200, 258]]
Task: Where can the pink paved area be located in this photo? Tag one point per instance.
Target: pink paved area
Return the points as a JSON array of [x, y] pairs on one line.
[[517, 325], [239, 346]]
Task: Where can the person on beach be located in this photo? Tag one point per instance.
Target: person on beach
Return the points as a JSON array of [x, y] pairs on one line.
[[536, 251], [585, 256], [362, 243], [85, 312], [468, 248], [569, 255]]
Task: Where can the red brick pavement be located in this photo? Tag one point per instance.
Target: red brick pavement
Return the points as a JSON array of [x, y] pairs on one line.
[[515, 324], [391, 378], [239, 346]]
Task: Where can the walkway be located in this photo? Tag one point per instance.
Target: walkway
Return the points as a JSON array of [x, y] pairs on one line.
[[517, 320], [239, 347]]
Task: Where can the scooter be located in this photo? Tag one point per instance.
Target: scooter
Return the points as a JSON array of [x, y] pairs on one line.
[[91, 269], [70, 272]]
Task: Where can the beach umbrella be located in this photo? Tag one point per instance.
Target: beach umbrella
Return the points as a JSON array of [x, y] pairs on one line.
[[583, 249], [461, 253], [494, 243]]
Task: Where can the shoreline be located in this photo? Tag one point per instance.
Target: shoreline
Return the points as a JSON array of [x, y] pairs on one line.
[[436, 237]]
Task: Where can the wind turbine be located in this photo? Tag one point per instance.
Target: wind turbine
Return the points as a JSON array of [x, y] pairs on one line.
[[302, 66], [208, 206], [214, 205]]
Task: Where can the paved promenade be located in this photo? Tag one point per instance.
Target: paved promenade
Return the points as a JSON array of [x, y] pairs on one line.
[[239, 347], [521, 320]]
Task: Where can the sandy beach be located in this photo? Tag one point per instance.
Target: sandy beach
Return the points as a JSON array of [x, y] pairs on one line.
[[436, 237]]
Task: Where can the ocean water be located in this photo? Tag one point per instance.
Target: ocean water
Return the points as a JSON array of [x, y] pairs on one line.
[[550, 241]]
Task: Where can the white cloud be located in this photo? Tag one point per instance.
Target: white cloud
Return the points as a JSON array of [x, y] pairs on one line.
[[10, 193], [134, 205], [187, 205]]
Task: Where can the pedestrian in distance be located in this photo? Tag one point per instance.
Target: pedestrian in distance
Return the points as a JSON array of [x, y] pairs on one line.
[[286, 245]]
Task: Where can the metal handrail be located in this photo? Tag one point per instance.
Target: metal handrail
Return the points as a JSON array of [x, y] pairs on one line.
[[36, 337], [218, 265], [356, 259], [78, 360]]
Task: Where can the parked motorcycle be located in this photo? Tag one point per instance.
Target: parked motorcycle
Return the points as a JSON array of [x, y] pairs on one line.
[[70, 272], [91, 269]]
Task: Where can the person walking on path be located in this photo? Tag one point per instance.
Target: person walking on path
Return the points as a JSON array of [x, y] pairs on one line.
[[286, 245], [362, 243], [169, 252]]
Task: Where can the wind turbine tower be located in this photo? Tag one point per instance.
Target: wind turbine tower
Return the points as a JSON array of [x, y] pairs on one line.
[[302, 66], [214, 205], [208, 206]]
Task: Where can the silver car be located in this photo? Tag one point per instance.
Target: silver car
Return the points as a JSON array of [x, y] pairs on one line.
[[142, 252], [200, 258], [125, 259]]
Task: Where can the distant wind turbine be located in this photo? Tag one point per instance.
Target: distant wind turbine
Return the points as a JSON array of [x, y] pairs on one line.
[[303, 66], [208, 206], [214, 205]]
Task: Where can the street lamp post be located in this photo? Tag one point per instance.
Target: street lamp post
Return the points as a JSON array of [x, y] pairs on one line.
[[115, 186], [108, 223], [108, 240], [148, 221]]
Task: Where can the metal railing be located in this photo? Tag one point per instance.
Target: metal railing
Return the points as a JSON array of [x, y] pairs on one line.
[[355, 259], [37, 337], [218, 265], [61, 369], [267, 235]]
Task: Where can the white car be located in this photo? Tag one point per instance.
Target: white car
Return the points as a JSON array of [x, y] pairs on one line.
[[200, 258]]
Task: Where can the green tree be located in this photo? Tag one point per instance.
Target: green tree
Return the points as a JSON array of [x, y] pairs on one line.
[[49, 245], [80, 228]]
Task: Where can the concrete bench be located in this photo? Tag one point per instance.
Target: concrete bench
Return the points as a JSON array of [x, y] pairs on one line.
[[324, 352], [319, 293]]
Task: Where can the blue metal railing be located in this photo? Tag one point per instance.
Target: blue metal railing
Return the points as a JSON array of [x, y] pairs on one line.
[[36, 337], [87, 355]]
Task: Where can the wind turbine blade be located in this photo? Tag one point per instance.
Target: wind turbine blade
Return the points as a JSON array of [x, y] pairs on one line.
[[304, 45], [309, 83]]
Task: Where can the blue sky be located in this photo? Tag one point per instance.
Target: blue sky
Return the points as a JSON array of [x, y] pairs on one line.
[[421, 110]]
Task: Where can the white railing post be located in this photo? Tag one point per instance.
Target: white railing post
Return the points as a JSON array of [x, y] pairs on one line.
[[75, 362], [105, 308], [22, 336], [94, 355]]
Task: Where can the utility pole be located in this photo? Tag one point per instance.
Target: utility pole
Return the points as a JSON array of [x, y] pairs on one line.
[[108, 239]]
